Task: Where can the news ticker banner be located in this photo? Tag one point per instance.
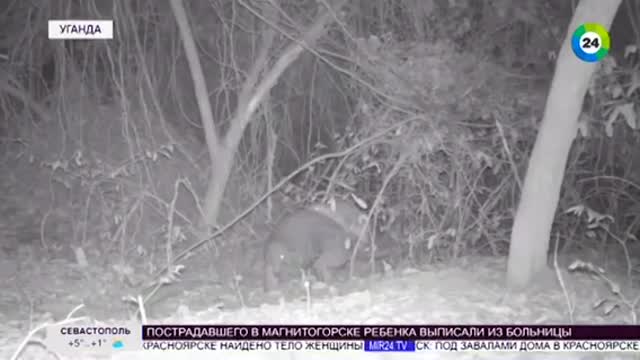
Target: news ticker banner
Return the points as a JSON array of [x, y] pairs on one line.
[[106, 340]]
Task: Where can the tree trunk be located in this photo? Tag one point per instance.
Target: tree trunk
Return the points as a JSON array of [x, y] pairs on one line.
[[532, 226], [252, 94], [220, 172]]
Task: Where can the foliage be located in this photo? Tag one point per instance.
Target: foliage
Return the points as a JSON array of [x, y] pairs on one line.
[[470, 76]]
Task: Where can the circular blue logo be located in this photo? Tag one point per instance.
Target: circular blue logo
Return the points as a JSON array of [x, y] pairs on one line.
[[591, 42]]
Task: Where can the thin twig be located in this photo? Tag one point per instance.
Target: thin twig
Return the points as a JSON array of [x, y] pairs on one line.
[[249, 209]]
